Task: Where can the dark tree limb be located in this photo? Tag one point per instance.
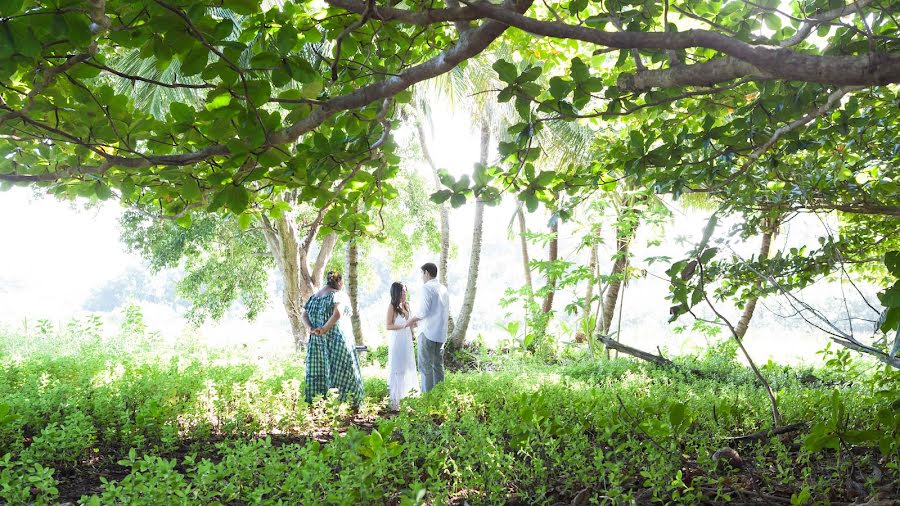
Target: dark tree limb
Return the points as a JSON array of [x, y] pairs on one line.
[[634, 352], [743, 59], [766, 434]]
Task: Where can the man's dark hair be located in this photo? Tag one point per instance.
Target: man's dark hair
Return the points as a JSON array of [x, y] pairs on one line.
[[430, 268]]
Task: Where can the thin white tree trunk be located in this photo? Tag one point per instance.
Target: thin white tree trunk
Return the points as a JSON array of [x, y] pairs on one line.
[[526, 261], [589, 292], [445, 212], [458, 336]]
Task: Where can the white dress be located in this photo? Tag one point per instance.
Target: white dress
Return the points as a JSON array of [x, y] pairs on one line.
[[402, 376]]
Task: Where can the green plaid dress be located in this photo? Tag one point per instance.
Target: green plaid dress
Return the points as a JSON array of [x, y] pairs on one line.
[[331, 360]]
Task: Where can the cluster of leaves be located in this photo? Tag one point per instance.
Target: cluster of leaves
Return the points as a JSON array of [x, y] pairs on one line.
[[157, 80]]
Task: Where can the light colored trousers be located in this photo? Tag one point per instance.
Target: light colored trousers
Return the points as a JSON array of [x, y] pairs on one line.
[[431, 363]]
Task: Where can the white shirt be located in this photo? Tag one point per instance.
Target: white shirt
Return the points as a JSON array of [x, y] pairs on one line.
[[434, 310]]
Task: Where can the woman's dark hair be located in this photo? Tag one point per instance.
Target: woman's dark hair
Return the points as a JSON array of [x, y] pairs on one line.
[[333, 279], [396, 299], [431, 269]]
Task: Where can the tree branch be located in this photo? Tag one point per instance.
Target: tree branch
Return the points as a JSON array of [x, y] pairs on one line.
[[469, 45]]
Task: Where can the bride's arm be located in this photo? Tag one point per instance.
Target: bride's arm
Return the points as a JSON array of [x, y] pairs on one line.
[[391, 318]]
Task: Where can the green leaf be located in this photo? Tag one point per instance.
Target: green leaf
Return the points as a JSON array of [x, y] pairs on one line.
[[244, 7], [708, 254], [676, 414], [102, 191], [190, 190], [891, 320], [530, 74], [23, 40], [441, 196], [301, 71], [286, 39], [891, 297], [559, 87], [576, 6], [266, 60], [181, 113], [457, 200], [505, 70], [195, 60], [184, 221], [892, 262], [10, 7], [219, 101], [245, 220], [258, 91], [579, 70], [236, 198], [223, 29]]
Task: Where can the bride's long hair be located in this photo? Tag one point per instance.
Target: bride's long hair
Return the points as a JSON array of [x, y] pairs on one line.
[[401, 308]]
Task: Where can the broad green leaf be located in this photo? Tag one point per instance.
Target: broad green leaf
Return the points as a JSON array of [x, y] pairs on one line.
[[236, 198], [286, 39], [243, 7], [182, 113], [195, 60], [891, 297], [505, 70], [892, 262], [190, 190], [559, 87], [218, 102], [245, 220]]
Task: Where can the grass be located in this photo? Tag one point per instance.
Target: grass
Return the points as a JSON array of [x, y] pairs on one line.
[[122, 420]]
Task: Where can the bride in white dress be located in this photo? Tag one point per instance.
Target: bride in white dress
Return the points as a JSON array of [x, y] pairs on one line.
[[402, 376]]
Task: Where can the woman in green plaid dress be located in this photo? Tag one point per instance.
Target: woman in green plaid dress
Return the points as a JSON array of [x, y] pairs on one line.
[[331, 360]]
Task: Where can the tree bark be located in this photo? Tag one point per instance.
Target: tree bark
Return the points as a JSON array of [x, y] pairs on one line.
[[552, 257], [523, 231], [281, 237], [353, 290], [326, 250], [291, 257], [589, 292], [445, 212], [741, 329], [458, 336], [625, 233]]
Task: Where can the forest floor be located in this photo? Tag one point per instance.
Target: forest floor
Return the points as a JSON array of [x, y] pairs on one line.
[[102, 425]]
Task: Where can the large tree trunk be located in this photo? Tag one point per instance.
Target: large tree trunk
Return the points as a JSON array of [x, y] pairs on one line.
[[625, 233], [353, 290], [523, 231], [458, 336], [281, 237], [291, 258], [741, 329]]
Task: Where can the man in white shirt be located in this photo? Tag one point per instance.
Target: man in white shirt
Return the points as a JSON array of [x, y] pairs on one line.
[[432, 320]]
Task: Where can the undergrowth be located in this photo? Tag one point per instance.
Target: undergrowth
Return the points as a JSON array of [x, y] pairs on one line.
[[116, 422]]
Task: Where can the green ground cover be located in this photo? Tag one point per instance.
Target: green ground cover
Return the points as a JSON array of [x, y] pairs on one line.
[[122, 421]]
